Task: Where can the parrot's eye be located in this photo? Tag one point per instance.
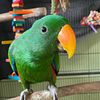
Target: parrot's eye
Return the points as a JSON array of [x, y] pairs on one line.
[[44, 29]]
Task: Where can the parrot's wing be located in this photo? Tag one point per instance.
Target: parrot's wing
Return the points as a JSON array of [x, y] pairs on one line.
[[55, 64], [14, 75]]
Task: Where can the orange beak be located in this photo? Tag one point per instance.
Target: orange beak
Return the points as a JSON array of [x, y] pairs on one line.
[[67, 39]]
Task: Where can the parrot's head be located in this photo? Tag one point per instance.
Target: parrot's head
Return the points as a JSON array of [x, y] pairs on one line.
[[52, 28]]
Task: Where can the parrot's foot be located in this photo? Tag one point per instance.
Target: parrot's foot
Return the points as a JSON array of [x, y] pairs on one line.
[[24, 94], [53, 91]]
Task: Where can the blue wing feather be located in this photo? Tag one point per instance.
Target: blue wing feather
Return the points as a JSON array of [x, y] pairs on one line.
[[14, 69], [55, 64], [15, 77]]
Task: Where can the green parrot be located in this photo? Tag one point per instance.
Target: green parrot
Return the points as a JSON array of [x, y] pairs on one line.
[[34, 57]]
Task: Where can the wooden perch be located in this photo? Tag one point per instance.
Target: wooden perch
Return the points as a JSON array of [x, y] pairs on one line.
[[35, 13], [65, 91]]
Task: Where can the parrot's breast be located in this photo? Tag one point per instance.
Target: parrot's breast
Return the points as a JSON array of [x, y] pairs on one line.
[[34, 69]]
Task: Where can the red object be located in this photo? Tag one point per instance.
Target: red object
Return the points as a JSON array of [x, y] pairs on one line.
[[7, 60], [83, 21], [21, 12], [56, 11], [17, 5], [17, 1], [95, 18], [18, 17], [13, 74], [15, 29]]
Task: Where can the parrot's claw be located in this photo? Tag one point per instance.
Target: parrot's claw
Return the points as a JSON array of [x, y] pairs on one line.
[[24, 94], [53, 91]]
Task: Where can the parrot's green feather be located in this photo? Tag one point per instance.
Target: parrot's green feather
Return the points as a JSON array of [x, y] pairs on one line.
[[35, 50]]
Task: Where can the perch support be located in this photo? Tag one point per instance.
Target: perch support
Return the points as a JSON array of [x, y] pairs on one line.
[[65, 91], [35, 13]]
